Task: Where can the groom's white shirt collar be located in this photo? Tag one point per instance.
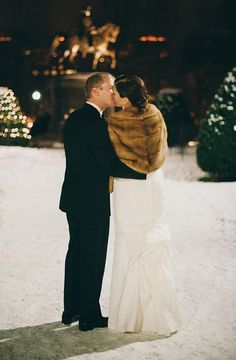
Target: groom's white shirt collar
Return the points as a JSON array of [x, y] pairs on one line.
[[95, 106]]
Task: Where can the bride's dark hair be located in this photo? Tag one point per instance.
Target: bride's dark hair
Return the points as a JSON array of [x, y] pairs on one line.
[[133, 87]]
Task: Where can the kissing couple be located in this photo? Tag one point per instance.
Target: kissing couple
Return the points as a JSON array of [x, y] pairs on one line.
[[124, 154]]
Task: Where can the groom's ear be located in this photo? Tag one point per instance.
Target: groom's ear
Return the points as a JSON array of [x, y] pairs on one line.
[[95, 92]]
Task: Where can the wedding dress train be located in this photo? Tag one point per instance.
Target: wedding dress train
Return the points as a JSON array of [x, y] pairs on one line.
[[143, 296]]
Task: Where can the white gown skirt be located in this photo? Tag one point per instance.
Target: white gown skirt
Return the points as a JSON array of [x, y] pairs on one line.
[[143, 296]]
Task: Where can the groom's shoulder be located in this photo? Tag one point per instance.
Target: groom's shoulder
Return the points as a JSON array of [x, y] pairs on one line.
[[84, 112], [88, 118], [77, 113], [76, 117]]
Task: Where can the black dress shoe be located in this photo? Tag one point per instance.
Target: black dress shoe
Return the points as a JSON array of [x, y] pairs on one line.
[[85, 325], [68, 318], [101, 322]]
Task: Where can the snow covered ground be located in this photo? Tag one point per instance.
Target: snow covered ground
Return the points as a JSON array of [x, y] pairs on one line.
[[34, 238]]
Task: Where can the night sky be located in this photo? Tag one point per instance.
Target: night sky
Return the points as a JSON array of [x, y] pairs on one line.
[[40, 20], [200, 42]]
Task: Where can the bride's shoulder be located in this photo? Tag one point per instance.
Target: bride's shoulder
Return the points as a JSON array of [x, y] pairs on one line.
[[152, 108]]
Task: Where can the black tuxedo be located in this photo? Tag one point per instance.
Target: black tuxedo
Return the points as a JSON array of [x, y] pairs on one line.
[[90, 159]]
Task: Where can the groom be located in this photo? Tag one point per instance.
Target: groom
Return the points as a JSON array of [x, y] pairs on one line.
[[90, 159]]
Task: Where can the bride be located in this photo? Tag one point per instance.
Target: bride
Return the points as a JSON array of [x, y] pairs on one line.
[[143, 296]]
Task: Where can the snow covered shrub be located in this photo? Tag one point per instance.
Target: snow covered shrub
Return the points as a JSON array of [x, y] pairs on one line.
[[216, 152]]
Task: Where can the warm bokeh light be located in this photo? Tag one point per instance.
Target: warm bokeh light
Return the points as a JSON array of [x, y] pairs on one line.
[[192, 143], [152, 38], [35, 72], [5, 38], [164, 54], [27, 52], [29, 122], [70, 71]]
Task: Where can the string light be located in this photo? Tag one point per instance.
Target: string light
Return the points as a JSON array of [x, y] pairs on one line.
[[12, 120]]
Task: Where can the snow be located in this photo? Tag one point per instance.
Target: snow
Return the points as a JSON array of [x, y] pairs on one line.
[[34, 240]]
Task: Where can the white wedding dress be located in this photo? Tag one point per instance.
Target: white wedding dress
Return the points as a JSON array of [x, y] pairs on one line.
[[143, 296]]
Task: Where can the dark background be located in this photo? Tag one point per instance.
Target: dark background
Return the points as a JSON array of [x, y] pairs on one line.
[[39, 20], [199, 50]]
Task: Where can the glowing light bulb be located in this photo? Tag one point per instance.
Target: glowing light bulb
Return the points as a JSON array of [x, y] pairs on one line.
[[36, 95]]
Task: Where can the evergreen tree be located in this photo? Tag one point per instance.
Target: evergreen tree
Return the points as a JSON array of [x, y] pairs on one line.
[[180, 127], [216, 152], [13, 130]]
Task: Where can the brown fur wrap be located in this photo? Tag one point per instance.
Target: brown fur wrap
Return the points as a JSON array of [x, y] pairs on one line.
[[139, 138]]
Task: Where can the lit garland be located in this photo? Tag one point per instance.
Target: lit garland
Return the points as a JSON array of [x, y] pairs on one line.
[[13, 130]]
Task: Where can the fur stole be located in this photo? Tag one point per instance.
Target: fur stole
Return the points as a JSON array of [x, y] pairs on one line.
[[139, 138]]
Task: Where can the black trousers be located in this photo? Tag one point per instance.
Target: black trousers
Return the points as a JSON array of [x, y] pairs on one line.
[[84, 266]]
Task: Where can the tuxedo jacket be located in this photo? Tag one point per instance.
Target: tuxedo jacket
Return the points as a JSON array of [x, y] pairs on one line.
[[90, 160]]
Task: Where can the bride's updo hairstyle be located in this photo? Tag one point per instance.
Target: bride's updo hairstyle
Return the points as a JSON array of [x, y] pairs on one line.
[[133, 87]]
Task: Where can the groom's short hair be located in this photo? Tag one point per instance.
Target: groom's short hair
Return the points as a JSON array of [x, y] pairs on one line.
[[95, 80]]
